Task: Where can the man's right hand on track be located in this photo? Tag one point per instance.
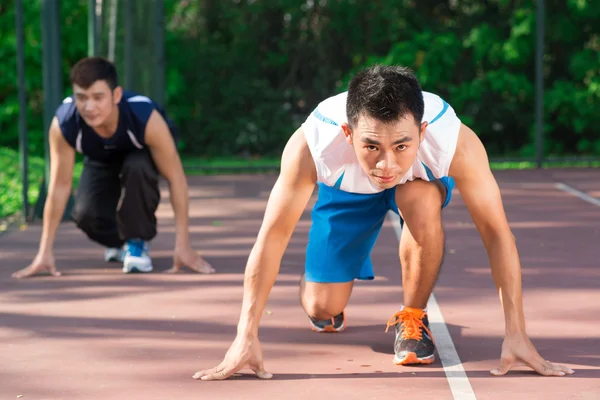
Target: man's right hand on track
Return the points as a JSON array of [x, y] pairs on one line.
[[245, 352]]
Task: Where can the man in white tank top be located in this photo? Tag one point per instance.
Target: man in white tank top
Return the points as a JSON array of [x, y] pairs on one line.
[[383, 145]]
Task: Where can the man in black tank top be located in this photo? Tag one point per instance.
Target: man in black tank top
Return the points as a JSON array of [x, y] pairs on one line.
[[127, 141]]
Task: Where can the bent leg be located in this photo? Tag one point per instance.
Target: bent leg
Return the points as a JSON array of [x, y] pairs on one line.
[[136, 217], [344, 229], [96, 203], [323, 301], [422, 240], [421, 250]]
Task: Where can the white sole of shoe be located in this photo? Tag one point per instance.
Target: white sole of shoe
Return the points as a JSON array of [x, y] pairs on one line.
[[412, 359], [136, 264]]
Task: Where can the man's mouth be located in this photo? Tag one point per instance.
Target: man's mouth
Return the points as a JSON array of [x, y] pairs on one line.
[[385, 179]]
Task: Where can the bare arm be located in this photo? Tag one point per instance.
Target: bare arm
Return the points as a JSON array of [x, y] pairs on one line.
[[481, 194], [286, 203], [62, 161], [479, 190], [165, 156], [162, 147]]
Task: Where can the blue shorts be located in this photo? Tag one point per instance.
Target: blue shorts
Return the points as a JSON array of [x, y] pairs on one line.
[[344, 229]]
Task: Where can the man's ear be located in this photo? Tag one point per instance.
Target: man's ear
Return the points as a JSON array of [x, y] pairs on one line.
[[347, 132], [117, 94], [422, 131]]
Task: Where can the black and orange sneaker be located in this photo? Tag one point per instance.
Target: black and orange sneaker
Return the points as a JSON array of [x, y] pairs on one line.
[[335, 324], [414, 341]]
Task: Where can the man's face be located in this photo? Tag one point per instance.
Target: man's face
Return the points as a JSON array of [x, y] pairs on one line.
[[96, 103], [385, 151]]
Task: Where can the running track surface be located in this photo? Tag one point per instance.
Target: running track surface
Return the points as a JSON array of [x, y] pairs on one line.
[[96, 333]]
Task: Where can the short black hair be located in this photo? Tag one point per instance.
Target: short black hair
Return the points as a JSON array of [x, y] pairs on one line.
[[89, 70], [386, 93]]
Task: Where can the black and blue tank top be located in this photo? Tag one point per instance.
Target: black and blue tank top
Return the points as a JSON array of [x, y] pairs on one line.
[[134, 113]]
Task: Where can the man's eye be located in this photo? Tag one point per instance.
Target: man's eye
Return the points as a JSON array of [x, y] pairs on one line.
[[371, 148], [401, 147]]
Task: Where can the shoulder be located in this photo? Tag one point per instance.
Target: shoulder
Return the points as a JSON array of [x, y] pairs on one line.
[[325, 138], [435, 108], [441, 137], [66, 111], [332, 110], [324, 124], [439, 115], [139, 105], [67, 119]]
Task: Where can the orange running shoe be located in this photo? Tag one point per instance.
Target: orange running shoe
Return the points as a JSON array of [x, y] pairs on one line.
[[414, 341]]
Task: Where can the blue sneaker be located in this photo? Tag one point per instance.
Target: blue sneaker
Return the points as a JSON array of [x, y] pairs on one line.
[[136, 257]]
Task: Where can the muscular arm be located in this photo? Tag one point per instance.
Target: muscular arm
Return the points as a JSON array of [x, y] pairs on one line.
[[286, 203], [478, 188], [165, 156], [62, 161], [481, 194], [288, 199]]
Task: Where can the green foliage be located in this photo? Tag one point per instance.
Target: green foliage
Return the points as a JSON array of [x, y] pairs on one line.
[[242, 75], [74, 46], [483, 61], [11, 183]]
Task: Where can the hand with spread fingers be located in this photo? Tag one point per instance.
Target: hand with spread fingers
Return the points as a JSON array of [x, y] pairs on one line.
[[187, 257], [518, 351], [42, 263], [245, 352]]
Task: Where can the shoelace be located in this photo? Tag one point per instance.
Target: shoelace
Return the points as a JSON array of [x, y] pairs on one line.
[[412, 320]]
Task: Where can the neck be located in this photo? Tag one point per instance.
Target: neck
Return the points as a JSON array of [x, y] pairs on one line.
[[109, 127]]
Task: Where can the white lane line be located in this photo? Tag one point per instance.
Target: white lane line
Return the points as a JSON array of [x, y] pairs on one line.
[[577, 193], [455, 373]]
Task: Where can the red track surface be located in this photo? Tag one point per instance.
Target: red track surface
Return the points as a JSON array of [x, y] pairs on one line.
[[98, 334]]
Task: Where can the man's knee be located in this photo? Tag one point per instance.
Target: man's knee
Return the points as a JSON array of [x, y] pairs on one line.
[[420, 194], [100, 229], [83, 215], [319, 311], [139, 165], [420, 205], [325, 300]]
